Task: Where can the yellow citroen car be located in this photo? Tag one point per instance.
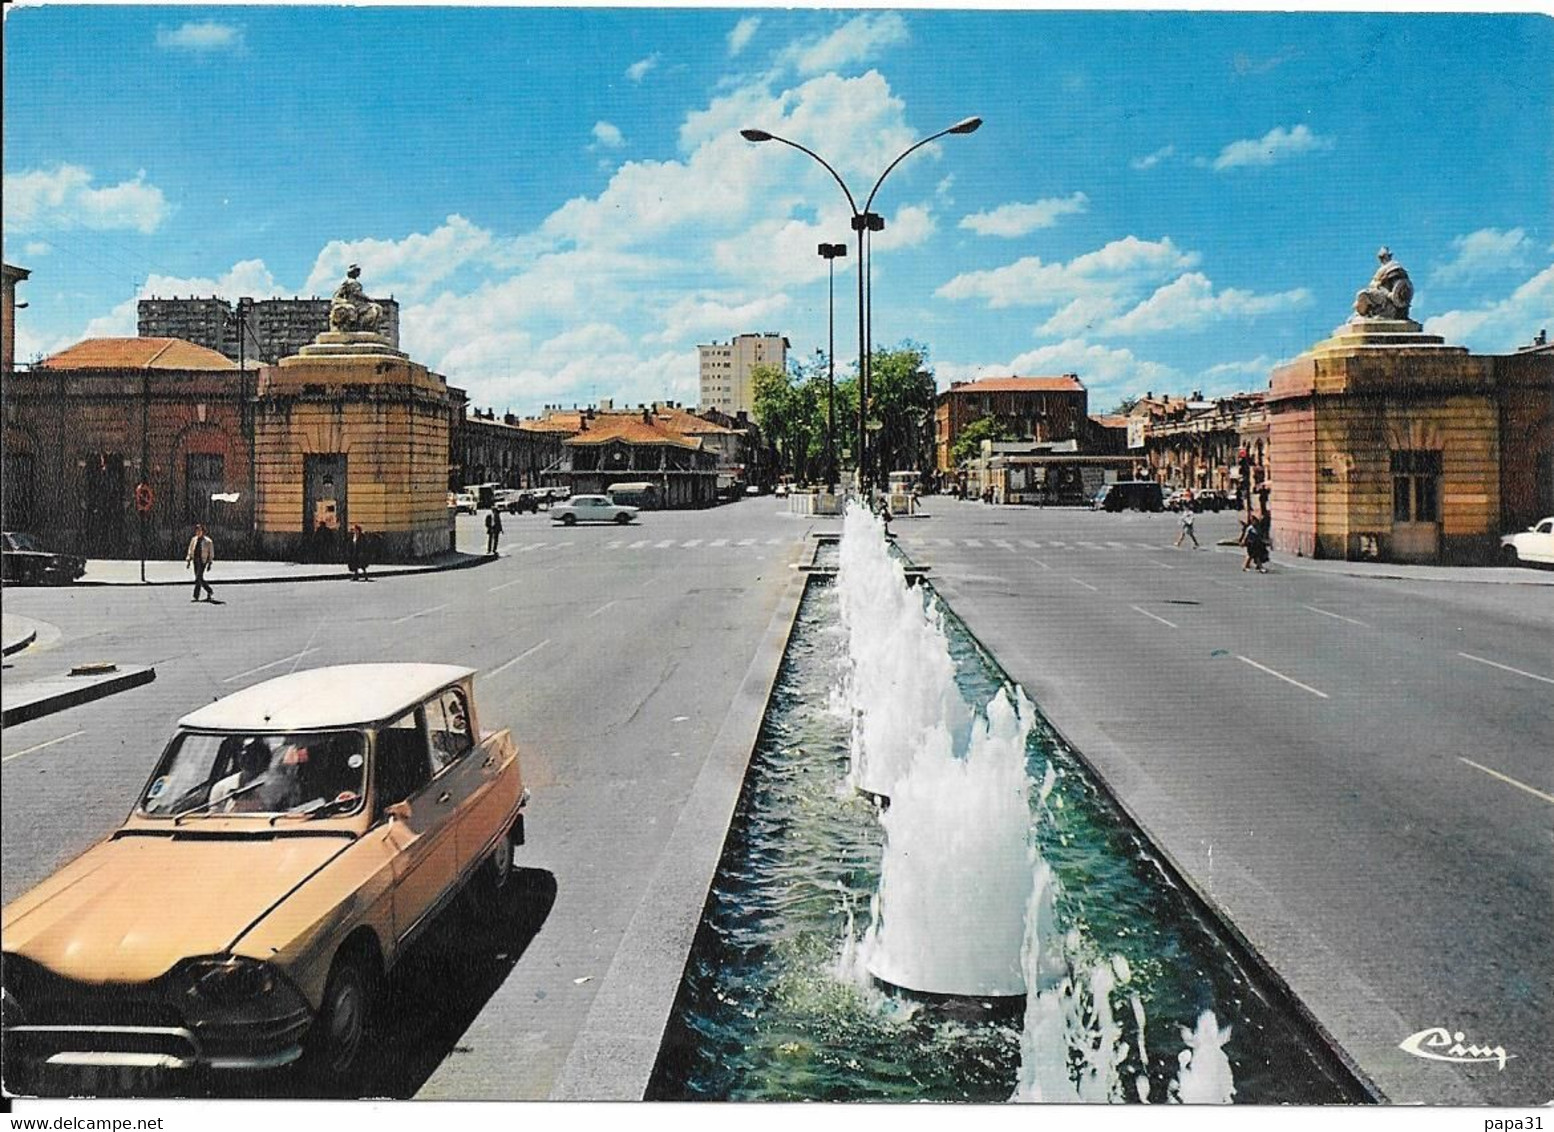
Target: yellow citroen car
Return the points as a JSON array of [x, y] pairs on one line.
[[292, 840]]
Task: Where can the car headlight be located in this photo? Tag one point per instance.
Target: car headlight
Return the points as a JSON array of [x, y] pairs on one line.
[[226, 980]]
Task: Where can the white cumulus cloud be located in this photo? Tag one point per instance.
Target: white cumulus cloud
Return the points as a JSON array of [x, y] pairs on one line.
[[638, 70], [1276, 145], [859, 40], [1190, 301], [1149, 161], [203, 35], [64, 197], [1500, 327], [1012, 220], [1487, 252], [407, 268], [704, 316], [1120, 269], [608, 135], [741, 35]]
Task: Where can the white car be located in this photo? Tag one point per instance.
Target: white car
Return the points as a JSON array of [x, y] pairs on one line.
[[463, 503], [1535, 544], [591, 509]]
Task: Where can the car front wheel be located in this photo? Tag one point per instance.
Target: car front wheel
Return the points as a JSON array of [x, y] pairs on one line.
[[623, 518], [334, 1043], [569, 520]]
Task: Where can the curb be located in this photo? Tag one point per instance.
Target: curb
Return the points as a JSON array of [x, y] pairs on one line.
[[47, 703], [19, 643], [269, 579]]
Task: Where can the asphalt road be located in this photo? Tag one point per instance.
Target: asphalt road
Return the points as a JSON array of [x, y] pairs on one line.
[[614, 654], [1358, 771]]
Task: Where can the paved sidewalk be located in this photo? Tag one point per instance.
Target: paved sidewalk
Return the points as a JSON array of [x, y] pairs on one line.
[[16, 633], [160, 572]]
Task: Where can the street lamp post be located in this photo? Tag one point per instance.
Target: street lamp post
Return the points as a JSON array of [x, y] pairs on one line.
[[863, 222], [830, 252]]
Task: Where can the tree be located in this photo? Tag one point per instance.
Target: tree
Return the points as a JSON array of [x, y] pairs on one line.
[[902, 393], [969, 442]]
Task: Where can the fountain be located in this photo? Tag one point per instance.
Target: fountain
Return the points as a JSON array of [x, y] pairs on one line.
[[893, 870]]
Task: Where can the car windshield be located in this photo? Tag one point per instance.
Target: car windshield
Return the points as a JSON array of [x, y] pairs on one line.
[[215, 775]]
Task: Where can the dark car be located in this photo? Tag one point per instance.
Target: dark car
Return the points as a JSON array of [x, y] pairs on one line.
[[29, 563], [1136, 495], [517, 502]]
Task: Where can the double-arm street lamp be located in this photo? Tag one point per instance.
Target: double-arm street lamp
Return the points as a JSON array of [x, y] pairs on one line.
[[863, 221], [830, 252]]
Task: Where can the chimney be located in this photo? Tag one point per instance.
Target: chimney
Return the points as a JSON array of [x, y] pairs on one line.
[[647, 415]]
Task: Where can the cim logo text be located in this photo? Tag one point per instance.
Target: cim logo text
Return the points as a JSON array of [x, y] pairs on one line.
[[1440, 1044]]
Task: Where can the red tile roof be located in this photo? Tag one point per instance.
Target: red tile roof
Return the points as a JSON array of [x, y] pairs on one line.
[[1068, 383], [630, 428], [138, 353]]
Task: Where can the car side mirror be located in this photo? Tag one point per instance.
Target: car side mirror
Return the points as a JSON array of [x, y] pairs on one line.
[[399, 811]]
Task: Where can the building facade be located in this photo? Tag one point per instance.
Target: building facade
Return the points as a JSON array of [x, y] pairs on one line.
[[1041, 410], [87, 426], [1388, 443], [635, 448], [271, 329], [1219, 444], [725, 370], [505, 451]]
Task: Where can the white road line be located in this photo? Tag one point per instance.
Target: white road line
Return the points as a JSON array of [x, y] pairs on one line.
[[1146, 546], [638, 545], [972, 542], [532, 546], [718, 542], [774, 542], [272, 664], [1003, 543], [1507, 779], [1162, 565], [665, 545], [1064, 545], [422, 613], [1086, 585], [745, 542], [40, 746], [1281, 676], [1040, 563], [1152, 617], [1336, 616], [1091, 545], [504, 585], [559, 545], [526, 653], [600, 610], [1029, 543], [690, 543], [1506, 667], [1118, 545]]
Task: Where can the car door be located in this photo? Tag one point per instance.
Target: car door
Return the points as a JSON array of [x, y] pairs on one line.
[[424, 840], [457, 772]]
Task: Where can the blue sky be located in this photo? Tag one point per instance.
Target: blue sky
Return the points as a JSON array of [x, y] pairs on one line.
[[561, 202]]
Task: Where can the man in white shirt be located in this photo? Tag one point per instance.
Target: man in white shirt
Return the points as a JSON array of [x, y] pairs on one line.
[[202, 552]]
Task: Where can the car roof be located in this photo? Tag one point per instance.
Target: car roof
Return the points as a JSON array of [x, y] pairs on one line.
[[335, 696]]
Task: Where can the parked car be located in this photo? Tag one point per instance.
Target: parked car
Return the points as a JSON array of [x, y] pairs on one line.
[[1212, 499], [464, 503], [1535, 544], [1137, 495], [291, 841], [781, 490], [591, 509], [27, 562], [1182, 500]]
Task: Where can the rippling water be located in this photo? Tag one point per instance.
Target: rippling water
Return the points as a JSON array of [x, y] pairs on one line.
[[772, 1007]]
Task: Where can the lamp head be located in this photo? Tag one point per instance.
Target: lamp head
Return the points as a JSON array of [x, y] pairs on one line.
[[755, 135], [966, 126]]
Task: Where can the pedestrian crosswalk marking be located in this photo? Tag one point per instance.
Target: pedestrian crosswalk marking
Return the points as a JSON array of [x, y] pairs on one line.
[[615, 545], [638, 545], [745, 542], [972, 541], [1029, 543], [1004, 543], [691, 543], [668, 542], [718, 542]]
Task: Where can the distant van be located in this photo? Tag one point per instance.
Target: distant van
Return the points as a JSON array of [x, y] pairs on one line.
[[1131, 495], [635, 494]]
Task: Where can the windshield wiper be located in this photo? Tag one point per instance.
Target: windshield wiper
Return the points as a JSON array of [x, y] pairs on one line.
[[319, 808], [177, 818]]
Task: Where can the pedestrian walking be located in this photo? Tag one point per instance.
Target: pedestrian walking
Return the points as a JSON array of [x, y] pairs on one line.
[[201, 553], [1187, 531], [493, 531], [1255, 541], [356, 553]]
